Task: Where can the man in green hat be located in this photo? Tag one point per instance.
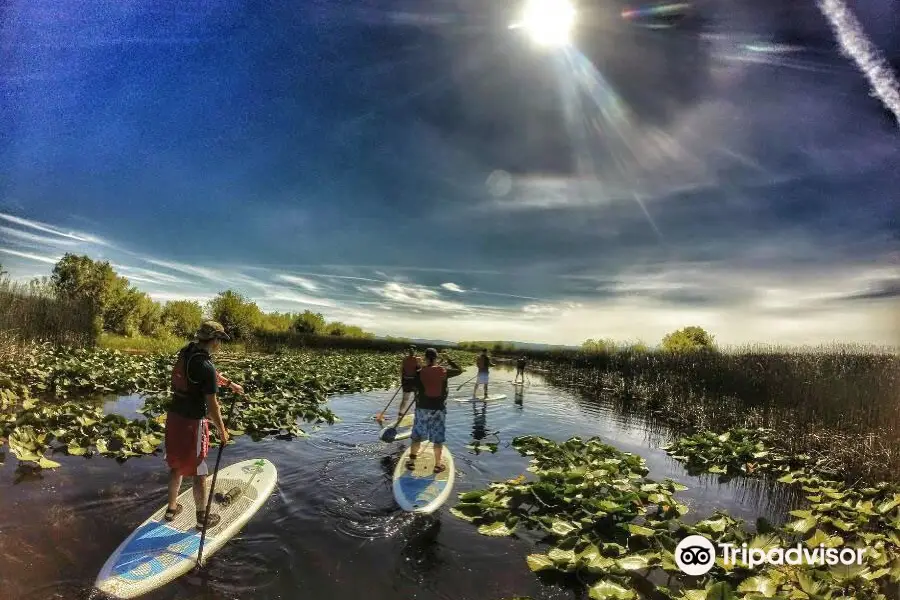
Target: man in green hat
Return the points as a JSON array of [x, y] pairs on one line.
[[195, 385]]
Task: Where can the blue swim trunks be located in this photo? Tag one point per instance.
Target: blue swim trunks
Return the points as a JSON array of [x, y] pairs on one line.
[[429, 425]]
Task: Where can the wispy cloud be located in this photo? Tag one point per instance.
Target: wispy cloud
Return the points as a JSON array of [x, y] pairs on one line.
[[44, 259], [452, 287], [306, 284], [857, 47], [416, 296], [38, 226], [148, 274], [206, 273], [40, 240]]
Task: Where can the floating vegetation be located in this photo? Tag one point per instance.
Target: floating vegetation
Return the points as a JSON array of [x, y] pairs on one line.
[[38, 412], [741, 451], [615, 530]]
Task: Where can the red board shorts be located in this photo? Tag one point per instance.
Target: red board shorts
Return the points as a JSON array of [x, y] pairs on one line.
[[187, 444]]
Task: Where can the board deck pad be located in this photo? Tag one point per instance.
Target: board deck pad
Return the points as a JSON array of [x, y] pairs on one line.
[[421, 489], [159, 551], [490, 398]]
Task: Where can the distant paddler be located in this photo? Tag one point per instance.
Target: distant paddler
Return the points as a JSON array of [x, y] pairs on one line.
[[520, 369], [431, 407], [195, 388], [484, 364], [409, 369]]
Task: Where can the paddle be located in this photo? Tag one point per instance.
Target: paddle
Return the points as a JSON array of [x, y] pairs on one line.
[[380, 416], [390, 433], [459, 387], [212, 486]]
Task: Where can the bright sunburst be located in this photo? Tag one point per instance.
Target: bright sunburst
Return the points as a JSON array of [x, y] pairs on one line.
[[547, 22]]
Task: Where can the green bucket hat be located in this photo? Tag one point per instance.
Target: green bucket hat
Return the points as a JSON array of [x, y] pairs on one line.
[[212, 330]]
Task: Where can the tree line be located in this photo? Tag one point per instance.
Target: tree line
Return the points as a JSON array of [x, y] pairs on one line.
[[115, 306]]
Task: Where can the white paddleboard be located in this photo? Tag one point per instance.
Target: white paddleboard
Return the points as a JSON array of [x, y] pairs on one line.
[[490, 398], [405, 424], [160, 551], [421, 489]]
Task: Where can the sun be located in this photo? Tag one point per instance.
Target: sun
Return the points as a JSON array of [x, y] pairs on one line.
[[548, 22]]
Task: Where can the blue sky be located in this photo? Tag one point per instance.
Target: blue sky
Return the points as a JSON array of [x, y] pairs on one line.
[[422, 170]]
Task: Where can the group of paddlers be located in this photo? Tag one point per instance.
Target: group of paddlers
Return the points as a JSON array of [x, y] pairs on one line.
[[195, 387]]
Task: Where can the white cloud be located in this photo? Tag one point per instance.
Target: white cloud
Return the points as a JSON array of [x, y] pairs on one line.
[[206, 273], [41, 240], [306, 284], [180, 295], [416, 296], [452, 287], [38, 226], [44, 259], [284, 295]]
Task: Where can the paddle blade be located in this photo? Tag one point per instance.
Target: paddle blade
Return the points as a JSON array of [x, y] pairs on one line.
[[389, 434]]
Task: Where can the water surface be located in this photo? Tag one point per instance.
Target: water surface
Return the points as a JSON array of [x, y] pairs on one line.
[[332, 529]]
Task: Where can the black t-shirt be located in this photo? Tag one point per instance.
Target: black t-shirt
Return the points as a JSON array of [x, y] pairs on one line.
[[201, 375]]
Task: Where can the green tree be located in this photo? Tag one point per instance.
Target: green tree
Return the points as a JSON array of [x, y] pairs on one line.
[[239, 316], [599, 346], [277, 321], [336, 329], [356, 332], [309, 323], [119, 310], [147, 317], [182, 317], [688, 339], [80, 278]]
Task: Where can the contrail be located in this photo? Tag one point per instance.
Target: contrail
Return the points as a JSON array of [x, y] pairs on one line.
[[856, 46]]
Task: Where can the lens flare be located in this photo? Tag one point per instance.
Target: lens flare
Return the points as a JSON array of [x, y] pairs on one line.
[[656, 16], [548, 22]]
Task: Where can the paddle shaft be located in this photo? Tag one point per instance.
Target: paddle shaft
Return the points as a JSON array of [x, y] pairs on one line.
[[212, 486], [392, 399], [391, 432], [459, 387]]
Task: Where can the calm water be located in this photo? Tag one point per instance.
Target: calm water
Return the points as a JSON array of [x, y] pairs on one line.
[[331, 529]]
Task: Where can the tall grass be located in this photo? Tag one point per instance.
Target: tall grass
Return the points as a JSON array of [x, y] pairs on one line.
[[838, 403], [30, 313]]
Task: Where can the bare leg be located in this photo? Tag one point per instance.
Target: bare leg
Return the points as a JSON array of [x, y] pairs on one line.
[[414, 448], [403, 404], [485, 391], [438, 450], [200, 492], [174, 488]]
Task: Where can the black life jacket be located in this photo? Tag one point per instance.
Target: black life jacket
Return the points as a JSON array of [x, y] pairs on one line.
[[188, 398]]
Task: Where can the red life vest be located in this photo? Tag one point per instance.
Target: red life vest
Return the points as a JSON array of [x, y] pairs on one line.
[[187, 395], [410, 366], [434, 382]]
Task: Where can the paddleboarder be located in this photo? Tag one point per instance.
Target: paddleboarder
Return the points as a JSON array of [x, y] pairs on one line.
[[431, 408], [520, 369], [483, 361], [195, 385], [408, 370]]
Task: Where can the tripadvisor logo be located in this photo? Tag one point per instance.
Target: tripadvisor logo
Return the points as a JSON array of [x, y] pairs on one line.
[[695, 555]]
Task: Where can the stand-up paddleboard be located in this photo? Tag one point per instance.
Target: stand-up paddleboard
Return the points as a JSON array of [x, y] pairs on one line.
[[490, 398], [421, 489], [405, 423], [160, 551]]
